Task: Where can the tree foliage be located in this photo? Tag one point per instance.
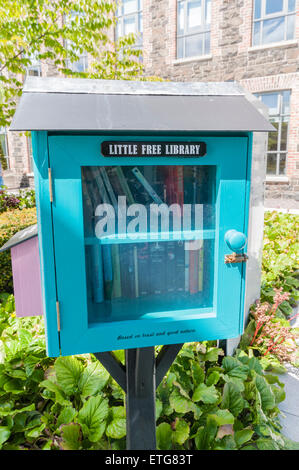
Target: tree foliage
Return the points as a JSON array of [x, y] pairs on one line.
[[56, 33]]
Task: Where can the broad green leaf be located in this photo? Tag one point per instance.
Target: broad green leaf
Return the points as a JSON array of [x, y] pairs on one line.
[[159, 408], [267, 444], [164, 436], [93, 379], [71, 437], [4, 434], [242, 436], [181, 432], [222, 417], [198, 373], [116, 429], [232, 399], [213, 378], [68, 372], [266, 394], [206, 435], [179, 403], [92, 417], [208, 395], [212, 354], [234, 368], [66, 416]]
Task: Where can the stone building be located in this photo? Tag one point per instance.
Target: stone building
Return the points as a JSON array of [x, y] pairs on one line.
[[254, 42]]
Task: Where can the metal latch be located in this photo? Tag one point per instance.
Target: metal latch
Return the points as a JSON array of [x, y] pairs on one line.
[[235, 258]]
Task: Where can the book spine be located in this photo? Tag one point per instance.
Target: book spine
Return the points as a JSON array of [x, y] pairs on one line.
[[109, 187], [193, 270], [179, 184], [170, 266], [127, 271], [97, 273], [116, 291], [147, 186], [108, 271], [157, 268], [187, 272], [100, 185], [180, 267], [143, 269], [200, 270], [124, 185]]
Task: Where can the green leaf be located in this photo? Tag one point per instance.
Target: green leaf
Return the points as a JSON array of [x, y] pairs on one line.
[[71, 439], [164, 436], [222, 417], [266, 394], [66, 416], [267, 444], [198, 373], [4, 434], [159, 408], [242, 436], [116, 429], [92, 416], [208, 395], [234, 368], [182, 431], [232, 399], [68, 372], [179, 403], [213, 378], [93, 379]]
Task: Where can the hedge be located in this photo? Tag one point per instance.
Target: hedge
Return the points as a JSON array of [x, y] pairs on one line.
[[12, 222]]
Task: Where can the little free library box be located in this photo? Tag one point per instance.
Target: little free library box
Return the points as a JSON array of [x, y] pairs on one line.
[[143, 200]]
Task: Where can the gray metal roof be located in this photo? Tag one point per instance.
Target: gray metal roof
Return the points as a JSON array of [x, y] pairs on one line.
[[59, 104], [20, 237]]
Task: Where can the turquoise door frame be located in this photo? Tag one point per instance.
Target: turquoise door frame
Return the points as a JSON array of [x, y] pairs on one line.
[[62, 251]]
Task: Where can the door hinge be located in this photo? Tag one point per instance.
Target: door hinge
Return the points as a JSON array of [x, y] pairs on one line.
[[58, 315], [50, 184]]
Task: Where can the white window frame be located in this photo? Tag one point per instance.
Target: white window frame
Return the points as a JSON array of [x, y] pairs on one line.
[[278, 117], [202, 30], [263, 17], [138, 14], [3, 131]]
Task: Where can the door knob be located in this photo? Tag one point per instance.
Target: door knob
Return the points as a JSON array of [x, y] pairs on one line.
[[236, 241]]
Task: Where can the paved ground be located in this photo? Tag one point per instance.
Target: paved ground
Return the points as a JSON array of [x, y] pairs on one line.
[[285, 205]]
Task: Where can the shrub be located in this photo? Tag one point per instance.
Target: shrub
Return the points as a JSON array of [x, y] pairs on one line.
[[12, 222], [25, 199]]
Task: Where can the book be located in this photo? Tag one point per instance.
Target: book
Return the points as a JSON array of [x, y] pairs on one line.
[[116, 290], [127, 270], [147, 186], [170, 266], [193, 271], [124, 185], [180, 266], [157, 268], [108, 271], [143, 263], [109, 187], [200, 269]]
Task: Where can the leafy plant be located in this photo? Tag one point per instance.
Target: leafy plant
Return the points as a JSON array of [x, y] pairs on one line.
[[12, 222], [280, 261]]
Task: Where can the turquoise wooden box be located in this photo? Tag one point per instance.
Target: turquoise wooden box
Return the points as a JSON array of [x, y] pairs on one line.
[[142, 193]]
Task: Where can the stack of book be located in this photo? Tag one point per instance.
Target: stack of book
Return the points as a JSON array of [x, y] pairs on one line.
[[136, 270]]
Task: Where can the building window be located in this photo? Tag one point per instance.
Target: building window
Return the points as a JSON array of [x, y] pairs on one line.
[[80, 65], [129, 20], [193, 28], [279, 114], [4, 159], [35, 69], [273, 21]]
